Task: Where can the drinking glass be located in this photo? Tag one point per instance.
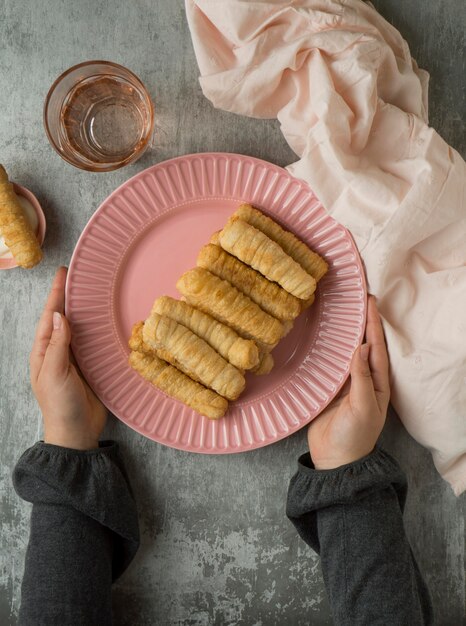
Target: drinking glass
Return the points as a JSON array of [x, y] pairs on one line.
[[99, 116]]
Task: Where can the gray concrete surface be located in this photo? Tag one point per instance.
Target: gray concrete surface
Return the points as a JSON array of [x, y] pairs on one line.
[[216, 547]]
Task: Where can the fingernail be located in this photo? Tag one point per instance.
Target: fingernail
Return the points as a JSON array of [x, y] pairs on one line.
[[57, 321], [364, 351]]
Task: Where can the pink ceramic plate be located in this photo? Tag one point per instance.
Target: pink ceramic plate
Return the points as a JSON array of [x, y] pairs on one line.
[[139, 242]]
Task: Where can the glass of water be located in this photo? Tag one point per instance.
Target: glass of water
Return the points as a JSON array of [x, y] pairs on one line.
[[99, 116]]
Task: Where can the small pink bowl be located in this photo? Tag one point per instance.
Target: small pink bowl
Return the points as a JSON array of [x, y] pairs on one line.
[[7, 264]]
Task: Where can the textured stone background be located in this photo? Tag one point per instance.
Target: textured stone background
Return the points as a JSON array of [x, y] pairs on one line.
[[216, 547]]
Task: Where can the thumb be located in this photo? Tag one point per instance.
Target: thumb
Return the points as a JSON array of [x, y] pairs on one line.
[[57, 356], [362, 387]]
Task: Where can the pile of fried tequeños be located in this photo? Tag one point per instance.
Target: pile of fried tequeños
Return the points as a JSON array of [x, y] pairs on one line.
[[251, 282]]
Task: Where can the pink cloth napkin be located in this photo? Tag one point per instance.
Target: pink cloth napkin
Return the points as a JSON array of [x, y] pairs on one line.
[[352, 104]]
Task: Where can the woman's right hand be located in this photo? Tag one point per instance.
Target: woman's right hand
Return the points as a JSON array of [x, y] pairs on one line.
[[73, 415]]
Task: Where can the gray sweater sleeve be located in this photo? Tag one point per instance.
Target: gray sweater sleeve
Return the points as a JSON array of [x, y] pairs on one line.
[[352, 517], [84, 533]]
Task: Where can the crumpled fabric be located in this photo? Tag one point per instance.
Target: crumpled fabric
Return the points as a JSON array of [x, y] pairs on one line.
[[352, 104]]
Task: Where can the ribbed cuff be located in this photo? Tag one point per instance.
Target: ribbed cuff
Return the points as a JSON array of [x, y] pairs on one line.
[[311, 489], [93, 482]]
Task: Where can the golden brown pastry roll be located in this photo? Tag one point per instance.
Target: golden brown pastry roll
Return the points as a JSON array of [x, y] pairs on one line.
[[287, 326], [193, 355], [167, 356], [227, 304], [215, 239], [254, 248], [136, 342], [307, 303], [242, 353], [269, 296], [296, 249], [15, 228], [179, 386], [266, 364]]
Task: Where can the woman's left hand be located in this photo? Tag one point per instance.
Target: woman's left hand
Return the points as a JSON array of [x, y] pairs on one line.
[[349, 427]]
